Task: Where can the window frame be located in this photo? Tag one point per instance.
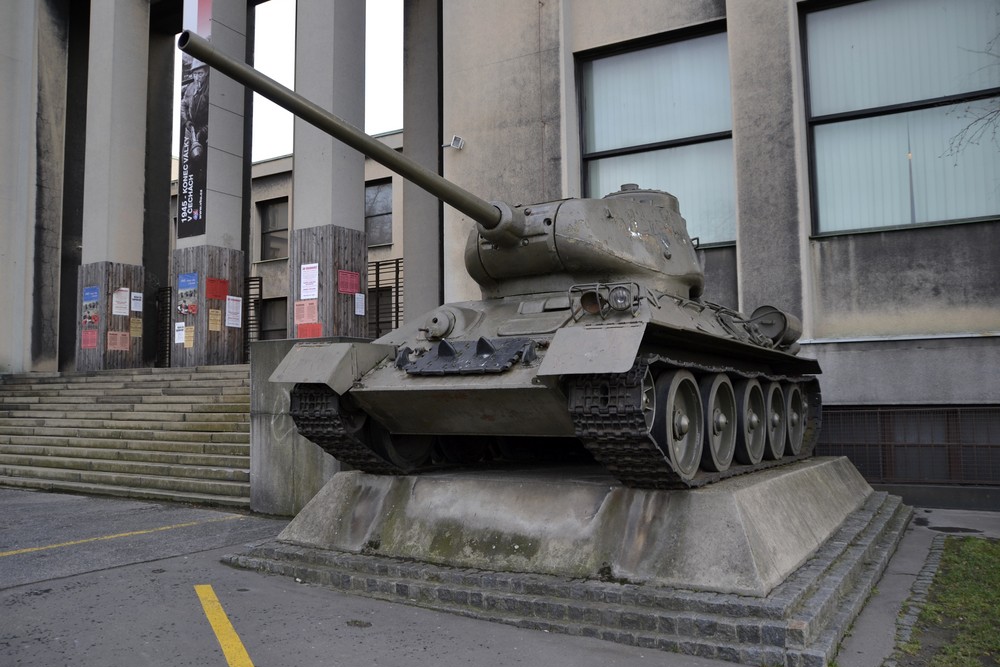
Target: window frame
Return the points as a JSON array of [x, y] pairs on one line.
[[706, 29], [260, 206], [812, 122], [378, 182]]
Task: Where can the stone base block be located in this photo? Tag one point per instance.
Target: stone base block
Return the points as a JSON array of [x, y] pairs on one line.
[[744, 535], [798, 622]]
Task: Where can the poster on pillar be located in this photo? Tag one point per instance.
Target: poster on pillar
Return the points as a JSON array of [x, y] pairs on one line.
[[193, 149]]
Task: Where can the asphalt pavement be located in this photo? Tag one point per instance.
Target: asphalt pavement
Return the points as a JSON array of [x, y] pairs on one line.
[[101, 582]]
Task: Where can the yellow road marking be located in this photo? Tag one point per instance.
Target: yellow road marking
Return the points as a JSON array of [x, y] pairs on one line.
[[229, 641], [133, 533]]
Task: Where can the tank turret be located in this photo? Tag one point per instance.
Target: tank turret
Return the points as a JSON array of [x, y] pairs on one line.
[[591, 340]]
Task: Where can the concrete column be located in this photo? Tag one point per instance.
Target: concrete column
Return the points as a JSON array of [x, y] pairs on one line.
[[328, 177], [114, 182], [767, 180], [18, 44], [208, 267], [422, 243]]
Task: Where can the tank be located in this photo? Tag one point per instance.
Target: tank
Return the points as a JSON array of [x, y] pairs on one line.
[[591, 337]]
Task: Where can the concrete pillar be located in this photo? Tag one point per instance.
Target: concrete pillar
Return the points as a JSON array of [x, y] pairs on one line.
[[422, 243], [114, 184], [18, 45], [208, 265], [328, 236], [767, 178]]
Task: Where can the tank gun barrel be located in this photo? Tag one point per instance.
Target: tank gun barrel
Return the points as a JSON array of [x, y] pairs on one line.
[[486, 214]]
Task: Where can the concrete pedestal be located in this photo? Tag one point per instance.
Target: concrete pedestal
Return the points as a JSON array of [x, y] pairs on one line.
[[743, 536]]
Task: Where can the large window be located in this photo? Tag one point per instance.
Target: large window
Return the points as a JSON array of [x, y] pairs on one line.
[[661, 117], [273, 228], [378, 213], [895, 91]]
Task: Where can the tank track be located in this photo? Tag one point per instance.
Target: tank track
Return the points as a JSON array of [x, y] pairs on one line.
[[316, 411], [608, 419]]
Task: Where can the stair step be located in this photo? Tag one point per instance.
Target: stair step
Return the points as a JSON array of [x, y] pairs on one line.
[[127, 492], [162, 483], [47, 413], [221, 460], [200, 472], [123, 424], [194, 445]]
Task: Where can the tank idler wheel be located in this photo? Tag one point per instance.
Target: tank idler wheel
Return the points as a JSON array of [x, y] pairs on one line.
[[406, 452], [776, 422], [648, 400], [719, 401], [795, 419], [750, 414], [679, 421]]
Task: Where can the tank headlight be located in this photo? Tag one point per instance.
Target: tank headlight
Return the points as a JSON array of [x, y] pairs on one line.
[[620, 297], [592, 302]]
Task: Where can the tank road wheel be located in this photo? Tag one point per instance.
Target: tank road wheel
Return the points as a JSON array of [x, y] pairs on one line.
[[719, 401], [679, 421], [406, 452], [795, 419], [775, 448], [750, 431]]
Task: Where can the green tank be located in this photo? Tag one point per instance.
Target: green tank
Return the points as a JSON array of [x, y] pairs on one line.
[[591, 334]]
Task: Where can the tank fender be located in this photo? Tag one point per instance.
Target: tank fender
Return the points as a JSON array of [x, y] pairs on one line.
[[608, 347], [337, 365]]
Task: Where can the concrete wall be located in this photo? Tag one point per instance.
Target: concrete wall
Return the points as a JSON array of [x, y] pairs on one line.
[[286, 470], [891, 310]]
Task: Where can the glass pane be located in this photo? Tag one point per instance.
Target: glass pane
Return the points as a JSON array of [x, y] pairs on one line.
[[908, 168], [700, 176], [658, 94], [273, 215], [274, 319], [378, 229], [274, 245], [378, 198], [885, 52]]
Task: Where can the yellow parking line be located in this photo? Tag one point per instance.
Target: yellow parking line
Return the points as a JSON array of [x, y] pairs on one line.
[[229, 641], [133, 533]]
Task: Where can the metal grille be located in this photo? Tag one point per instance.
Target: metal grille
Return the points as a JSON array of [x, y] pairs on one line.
[[385, 296], [251, 313], [925, 445], [164, 326]]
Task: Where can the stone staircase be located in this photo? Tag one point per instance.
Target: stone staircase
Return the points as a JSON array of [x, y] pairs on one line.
[[179, 434]]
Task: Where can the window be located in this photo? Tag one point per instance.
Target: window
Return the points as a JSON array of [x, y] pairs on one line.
[[893, 84], [378, 213], [274, 319], [273, 228], [662, 117]]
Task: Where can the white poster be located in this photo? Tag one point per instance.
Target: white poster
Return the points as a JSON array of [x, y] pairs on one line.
[[179, 332], [359, 303], [309, 282], [136, 302], [119, 301], [234, 311]]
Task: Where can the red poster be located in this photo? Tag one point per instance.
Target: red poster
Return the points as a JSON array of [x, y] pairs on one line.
[[216, 288], [309, 331], [348, 282], [88, 339]]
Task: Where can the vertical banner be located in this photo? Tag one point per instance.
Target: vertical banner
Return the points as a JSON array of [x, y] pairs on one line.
[[194, 126]]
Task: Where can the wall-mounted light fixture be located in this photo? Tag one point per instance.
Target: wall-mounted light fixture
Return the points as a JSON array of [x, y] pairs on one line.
[[457, 143]]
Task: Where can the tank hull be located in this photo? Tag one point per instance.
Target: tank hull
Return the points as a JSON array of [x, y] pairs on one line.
[[541, 367]]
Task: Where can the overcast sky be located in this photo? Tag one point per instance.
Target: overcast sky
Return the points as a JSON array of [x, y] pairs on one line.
[[272, 131]]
